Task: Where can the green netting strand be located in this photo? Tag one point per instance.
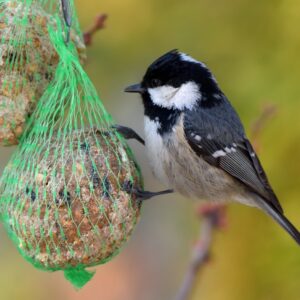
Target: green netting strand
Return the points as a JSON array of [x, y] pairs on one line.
[[78, 276], [28, 59], [67, 199]]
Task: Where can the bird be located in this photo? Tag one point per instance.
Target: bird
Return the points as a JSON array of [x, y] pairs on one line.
[[195, 141]]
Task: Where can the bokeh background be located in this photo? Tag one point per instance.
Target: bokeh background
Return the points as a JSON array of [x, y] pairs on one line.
[[253, 49]]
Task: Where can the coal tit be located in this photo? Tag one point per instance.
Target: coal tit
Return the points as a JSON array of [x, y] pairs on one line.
[[195, 140]]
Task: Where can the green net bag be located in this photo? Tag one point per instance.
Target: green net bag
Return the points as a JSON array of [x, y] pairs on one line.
[[67, 199], [27, 59]]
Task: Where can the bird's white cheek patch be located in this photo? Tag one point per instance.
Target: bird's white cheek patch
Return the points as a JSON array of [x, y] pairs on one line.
[[162, 95], [182, 97]]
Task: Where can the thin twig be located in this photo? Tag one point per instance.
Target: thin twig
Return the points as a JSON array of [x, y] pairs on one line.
[[267, 113], [213, 216], [98, 25]]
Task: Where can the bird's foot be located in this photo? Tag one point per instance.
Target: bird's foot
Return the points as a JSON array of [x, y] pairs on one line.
[[128, 133], [143, 195]]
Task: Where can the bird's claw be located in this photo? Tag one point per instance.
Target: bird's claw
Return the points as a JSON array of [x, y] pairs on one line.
[[143, 195], [128, 133]]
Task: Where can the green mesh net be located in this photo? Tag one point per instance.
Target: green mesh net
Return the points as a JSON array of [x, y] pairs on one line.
[[67, 199], [27, 59]]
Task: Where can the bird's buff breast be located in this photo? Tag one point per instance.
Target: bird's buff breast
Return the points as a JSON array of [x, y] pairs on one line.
[[175, 164]]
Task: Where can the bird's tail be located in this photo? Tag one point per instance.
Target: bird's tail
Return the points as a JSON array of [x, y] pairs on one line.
[[281, 220]]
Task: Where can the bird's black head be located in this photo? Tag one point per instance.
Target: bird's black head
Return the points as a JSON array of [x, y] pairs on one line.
[[177, 81]]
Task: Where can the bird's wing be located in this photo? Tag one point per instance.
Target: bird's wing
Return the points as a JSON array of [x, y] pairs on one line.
[[224, 145]]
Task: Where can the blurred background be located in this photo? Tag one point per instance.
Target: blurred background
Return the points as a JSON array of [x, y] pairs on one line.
[[253, 49]]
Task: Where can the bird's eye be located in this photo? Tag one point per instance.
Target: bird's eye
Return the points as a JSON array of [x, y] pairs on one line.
[[155, 82]]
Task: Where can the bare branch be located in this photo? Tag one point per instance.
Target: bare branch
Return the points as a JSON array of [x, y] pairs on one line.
[[268, 112], [98, 25], [213, 217]]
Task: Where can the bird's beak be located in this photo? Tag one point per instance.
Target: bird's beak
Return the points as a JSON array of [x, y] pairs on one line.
[[135, 88]]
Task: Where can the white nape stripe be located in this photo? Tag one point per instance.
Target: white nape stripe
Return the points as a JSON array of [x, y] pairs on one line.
[[180, 98], [185, 57], [219, 153]]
